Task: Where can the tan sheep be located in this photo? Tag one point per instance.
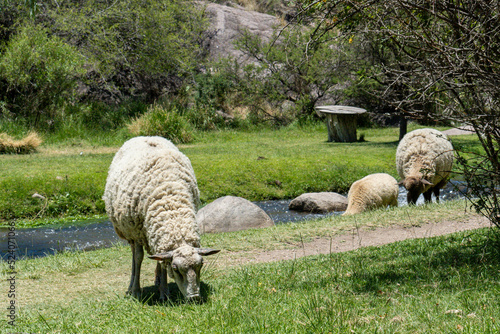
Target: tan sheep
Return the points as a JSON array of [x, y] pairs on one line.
[[371, 192], [424, 159]]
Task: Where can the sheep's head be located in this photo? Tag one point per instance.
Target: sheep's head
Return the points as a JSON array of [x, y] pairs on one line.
[[184, 265], [415, 186]]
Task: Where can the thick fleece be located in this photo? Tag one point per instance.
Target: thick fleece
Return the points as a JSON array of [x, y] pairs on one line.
[[151, 198], [372, 192], [151, 195], [424, 159]]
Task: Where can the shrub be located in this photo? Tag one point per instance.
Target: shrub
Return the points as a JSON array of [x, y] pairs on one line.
[[40, 72], [204, 118], [165, 122], [138, 48], [26, 145]]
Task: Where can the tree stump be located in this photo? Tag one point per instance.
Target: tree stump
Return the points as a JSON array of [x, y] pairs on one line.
[[341, 122]]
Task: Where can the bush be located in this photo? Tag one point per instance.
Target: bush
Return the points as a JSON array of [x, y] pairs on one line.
[[40, 73], [291, 73], [97, 115], [138, 48], [165, 122]]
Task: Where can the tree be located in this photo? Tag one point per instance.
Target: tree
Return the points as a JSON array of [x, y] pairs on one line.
[[137, 48], [290, 68], [450, 69]]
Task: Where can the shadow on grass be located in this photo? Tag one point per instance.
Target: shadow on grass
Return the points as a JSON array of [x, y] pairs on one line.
[[469, 255], [455, 261], [151, 295], [391, 144]]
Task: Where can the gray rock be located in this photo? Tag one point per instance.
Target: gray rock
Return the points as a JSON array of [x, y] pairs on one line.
[[319, 202], [227, 24], [229, 213]]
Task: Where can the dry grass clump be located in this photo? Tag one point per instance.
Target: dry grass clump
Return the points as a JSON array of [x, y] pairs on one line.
[[27, 145]]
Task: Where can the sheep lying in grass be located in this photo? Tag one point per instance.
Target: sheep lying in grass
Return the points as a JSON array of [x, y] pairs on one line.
[[151, 198], [371, 192], [424, 159]]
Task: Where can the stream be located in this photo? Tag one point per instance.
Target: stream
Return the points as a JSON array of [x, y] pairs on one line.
[[39, 242]]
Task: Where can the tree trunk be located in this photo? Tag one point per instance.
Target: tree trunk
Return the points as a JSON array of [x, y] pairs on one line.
[[341, 128], [403, 126]]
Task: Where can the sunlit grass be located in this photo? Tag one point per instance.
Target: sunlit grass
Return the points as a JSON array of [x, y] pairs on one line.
[[431, 285], [257, 165]]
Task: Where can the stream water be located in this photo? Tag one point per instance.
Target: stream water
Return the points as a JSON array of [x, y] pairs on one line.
[[37, 242]]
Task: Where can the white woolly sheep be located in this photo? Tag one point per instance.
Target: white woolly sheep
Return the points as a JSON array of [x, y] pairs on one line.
[[151, 198], [373, 191], [424, 159]]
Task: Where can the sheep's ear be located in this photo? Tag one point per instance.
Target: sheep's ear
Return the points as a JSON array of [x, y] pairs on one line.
[[162, 256], [207, 251], [400, 183], [424, 181]]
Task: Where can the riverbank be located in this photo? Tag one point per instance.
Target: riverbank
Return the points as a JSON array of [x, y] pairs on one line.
[[64, 183]]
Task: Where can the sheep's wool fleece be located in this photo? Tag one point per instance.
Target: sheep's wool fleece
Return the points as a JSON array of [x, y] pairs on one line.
[[426, 153], [372, 191], [151, 195]]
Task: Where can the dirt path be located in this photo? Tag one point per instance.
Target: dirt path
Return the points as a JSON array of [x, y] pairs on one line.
[[355, 239]]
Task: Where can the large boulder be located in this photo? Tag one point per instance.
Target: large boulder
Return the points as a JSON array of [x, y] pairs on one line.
[[229, 213], [227, 25], [322, 202]]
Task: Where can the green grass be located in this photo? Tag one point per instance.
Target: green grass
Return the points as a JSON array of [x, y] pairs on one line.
[[70, 172], [434, 285]]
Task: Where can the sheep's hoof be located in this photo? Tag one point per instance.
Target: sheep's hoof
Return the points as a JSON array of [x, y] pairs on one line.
[[134, 293], [164, 295]]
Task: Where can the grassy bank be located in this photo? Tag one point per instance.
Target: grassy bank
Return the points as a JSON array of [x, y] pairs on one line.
[[70, 174], [434, 285]]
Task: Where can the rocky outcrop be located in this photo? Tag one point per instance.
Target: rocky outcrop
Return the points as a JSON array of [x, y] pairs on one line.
[[229, 213], [227, 23]]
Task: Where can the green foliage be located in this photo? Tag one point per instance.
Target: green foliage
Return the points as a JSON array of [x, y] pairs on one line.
[[203, 117], [213, 89], [101, 116], [163, 121], [40, 72], [133, 50], [293, 68], [146, 37]]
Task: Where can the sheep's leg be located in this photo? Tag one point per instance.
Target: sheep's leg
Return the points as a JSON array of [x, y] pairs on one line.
[[129, 290], [428, 196], [138, 255], [157, 273], [436, 193], [163, 283], [438, 187]]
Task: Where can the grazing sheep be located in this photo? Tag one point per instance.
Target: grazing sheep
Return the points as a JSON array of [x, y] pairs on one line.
[[424, 159], [371, 192], [151, 198]]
